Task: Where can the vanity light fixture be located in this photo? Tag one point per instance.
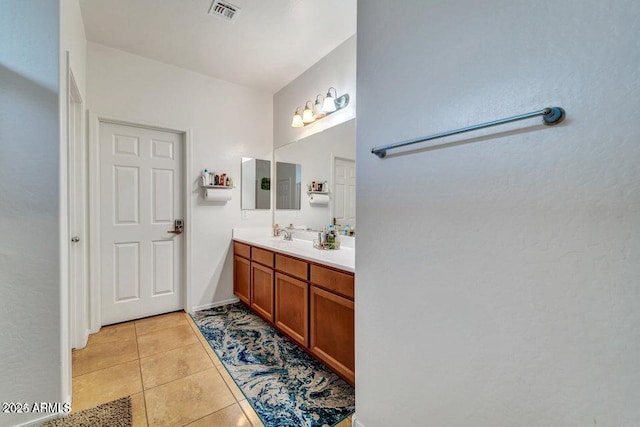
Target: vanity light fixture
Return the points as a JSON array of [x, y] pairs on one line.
[[307, 114], [312, 112], [297, 119]]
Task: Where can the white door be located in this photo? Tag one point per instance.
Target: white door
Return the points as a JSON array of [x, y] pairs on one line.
[[344, 191], [284, 194], [140, 197]]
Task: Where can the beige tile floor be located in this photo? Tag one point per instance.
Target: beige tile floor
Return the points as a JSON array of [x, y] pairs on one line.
[[169, 370]]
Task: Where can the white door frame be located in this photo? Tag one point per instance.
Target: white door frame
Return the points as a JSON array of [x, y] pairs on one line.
[[78, 291], [95, 315]]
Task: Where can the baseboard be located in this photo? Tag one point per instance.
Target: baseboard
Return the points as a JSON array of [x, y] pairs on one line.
[[214, 304], [85, 338], [39, 421], [355, 422]]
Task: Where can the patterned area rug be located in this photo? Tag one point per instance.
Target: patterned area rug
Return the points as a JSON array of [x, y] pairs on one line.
[[285, 386], [110, 414]]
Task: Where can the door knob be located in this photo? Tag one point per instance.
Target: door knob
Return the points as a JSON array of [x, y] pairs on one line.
[[178, 227], [75, 239]]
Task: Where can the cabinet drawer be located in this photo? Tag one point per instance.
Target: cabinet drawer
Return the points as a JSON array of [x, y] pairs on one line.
[[292, 266], [262, 256], [332, 280], [242, 250]]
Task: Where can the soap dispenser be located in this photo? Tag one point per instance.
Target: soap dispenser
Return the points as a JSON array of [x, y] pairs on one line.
[[204, 178]]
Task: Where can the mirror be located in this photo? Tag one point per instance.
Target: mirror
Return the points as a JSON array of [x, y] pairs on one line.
[[288, 185], [324, 156], [256, 184]]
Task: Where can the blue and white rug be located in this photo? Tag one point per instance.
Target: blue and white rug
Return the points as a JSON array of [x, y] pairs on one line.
[[285, 386]]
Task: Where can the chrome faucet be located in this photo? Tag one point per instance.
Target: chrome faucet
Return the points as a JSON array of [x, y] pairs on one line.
[[288, 234]]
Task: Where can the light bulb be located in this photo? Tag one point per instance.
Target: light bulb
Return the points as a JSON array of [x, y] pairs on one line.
[[329, 105], [307, 115], [318, 112], [297, 120]]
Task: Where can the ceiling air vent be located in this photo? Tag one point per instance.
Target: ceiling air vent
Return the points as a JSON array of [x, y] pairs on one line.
[[224, 10]]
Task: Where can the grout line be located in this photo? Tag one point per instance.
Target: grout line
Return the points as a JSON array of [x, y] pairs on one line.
[[151, 317], [105, 368], [182, 378], [169, 349], [214, 412], [144, 396], [157, 330]]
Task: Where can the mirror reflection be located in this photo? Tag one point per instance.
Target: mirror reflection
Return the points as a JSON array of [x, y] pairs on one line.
[[288, 185], [256, 184], [326, 158]]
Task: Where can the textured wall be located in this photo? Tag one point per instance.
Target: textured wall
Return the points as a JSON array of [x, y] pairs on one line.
[[29, 215], [228, 122], [498, 280]]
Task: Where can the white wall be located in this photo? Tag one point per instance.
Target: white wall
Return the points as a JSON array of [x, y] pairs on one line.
[[337, 69], [29, 206], [315, 156], [74, 41], [228, 122], [506, 291]]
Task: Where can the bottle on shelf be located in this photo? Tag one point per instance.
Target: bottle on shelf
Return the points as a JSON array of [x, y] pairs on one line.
[[204, 177]]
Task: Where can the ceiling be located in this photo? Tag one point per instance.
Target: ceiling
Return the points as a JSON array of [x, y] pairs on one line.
[[269, 44]]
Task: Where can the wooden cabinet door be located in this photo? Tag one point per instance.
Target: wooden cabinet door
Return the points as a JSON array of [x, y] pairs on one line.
[[242, 279], [292, 308], [332, 331], [262, 290]]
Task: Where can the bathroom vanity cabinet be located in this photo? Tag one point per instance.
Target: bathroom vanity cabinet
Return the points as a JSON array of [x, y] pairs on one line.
[[242, 273], [311, 303]]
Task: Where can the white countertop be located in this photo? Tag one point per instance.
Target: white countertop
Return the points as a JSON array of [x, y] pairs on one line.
[[302, 247]]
